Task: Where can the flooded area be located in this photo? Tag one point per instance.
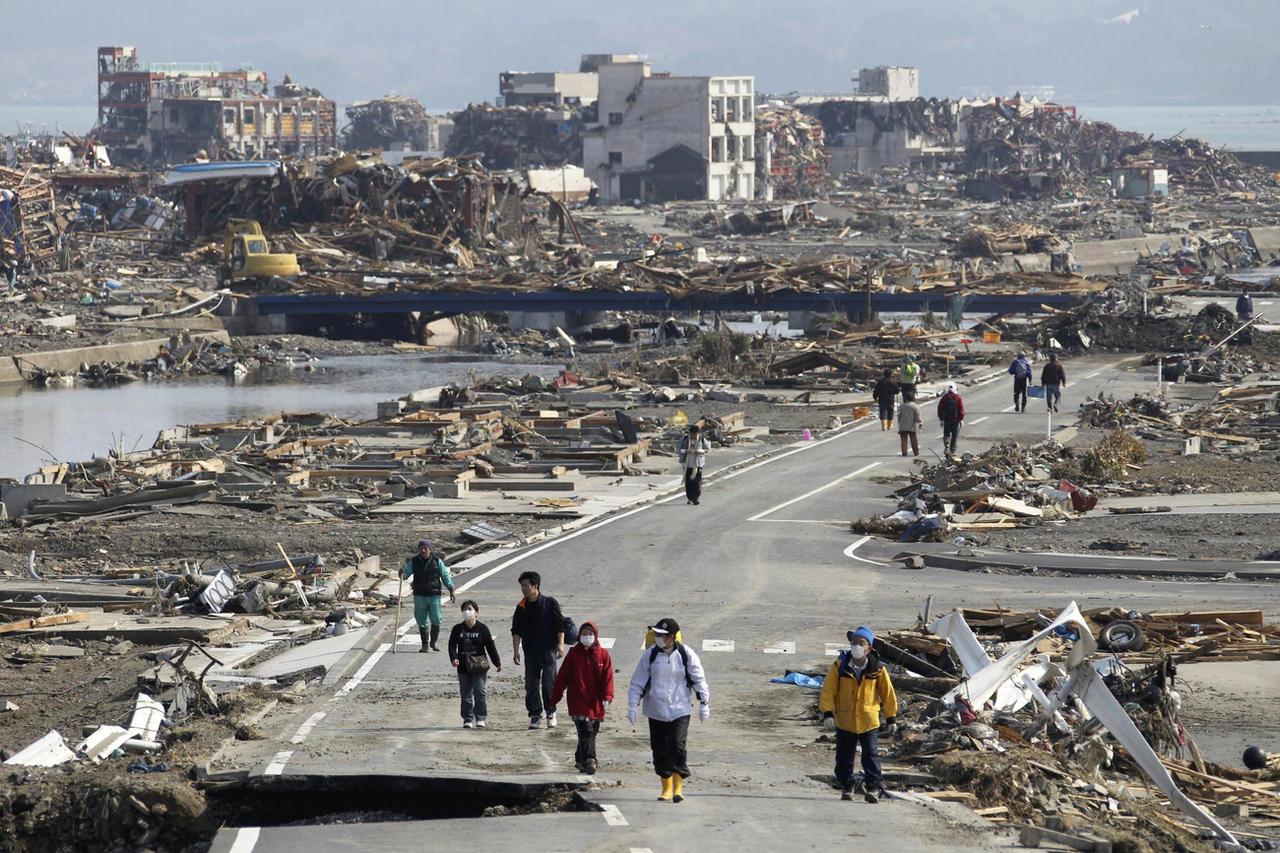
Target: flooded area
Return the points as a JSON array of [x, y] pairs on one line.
[[39, 426]]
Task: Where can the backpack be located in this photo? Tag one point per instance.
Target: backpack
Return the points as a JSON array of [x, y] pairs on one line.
[[1022, 369], [684, 658], [948, 408], [570, 627]]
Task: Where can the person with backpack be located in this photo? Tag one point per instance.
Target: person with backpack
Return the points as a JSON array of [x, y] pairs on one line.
[[1054, 379], [1020, 369], [951, 414], [586, 677], [912, 373], [538, 627], [430, 579], [856, 690], [667, 678], [693, 457], [471, 647], [885, 393]]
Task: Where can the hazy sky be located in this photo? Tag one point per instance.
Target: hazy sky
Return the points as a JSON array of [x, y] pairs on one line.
[[449, 54]]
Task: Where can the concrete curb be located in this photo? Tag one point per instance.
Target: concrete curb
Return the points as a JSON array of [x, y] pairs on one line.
[[1174, 568], [354, 657]]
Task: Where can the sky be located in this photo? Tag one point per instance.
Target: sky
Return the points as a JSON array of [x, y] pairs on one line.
[[449, 54]]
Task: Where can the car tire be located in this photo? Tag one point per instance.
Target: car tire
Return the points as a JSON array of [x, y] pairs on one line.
[[1123, 635]]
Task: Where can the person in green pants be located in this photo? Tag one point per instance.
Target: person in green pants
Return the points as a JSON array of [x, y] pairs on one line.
[[430, 579]]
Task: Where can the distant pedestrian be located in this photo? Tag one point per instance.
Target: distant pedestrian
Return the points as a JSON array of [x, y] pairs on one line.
[[471, 648], [951, 414], [909, 420], [586, 678], [537, 629], [693, 456], [667, 678], [430, 579], [856, 690], [912, 373], [1054, 379], [1244, 306], [1020, 369], [885, 393]]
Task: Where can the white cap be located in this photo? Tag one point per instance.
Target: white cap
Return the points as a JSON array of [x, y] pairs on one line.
[[951, 386]]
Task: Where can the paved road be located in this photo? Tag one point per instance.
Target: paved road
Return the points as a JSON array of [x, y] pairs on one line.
[[763, 575]]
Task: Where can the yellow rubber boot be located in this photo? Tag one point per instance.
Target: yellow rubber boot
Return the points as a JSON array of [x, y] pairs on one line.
[[667, 785], [677, 794]]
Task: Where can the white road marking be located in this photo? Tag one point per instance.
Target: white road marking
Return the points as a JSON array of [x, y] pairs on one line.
[[607, 642], [246, 839], [640, 850], [782, 648], [843, 522], [276, 767], [354, 681], [1008, 409], [813, 492], [1198, 302], [613, 815], [305, 728], [717, 645], [833, 649], [848, 552], [980, 420], [1095, 373]]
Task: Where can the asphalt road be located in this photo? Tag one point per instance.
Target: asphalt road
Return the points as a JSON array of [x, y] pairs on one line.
[[762, 576]]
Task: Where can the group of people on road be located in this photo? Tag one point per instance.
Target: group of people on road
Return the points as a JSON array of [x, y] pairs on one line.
[[667, 682], [1053, 378]]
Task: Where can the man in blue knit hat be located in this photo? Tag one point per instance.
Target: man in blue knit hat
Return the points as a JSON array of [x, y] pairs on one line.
[[855, 692]]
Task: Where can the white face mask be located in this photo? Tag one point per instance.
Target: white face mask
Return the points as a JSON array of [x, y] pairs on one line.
[[858, 652], [586, 639], [468, 614]]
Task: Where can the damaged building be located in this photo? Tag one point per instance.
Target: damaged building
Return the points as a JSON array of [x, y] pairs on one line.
[[395, 123], [169, 112], [661, 137]]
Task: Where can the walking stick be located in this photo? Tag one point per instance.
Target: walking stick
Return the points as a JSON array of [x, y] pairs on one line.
[[395, 632]]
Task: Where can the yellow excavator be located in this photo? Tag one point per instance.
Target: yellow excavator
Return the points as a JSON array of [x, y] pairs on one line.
[[247, 256]]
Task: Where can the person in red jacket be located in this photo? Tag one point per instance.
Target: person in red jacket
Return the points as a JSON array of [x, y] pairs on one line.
[[951, 414], [587, 677]]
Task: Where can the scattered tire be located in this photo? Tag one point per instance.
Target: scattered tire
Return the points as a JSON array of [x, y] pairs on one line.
[[1123, 636]]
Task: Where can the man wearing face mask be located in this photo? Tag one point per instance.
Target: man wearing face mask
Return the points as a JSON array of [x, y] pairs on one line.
[[587, 677], [855, 692], [667, 679], [469, 643]]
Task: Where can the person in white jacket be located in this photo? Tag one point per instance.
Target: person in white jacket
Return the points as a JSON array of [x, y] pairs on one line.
[[667, 679]]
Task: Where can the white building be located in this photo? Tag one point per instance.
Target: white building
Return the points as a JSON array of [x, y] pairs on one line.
[[663, 138], [892, 82]]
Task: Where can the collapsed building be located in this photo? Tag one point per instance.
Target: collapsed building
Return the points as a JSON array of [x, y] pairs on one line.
[[791, 160], [170, 112], [517, 137], [395, 123]]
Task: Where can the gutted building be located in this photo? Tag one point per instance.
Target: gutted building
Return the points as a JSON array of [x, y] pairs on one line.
[[660, 137], [168, 112]]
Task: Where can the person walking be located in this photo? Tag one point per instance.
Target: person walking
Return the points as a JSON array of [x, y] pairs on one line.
[[430, 578], [537, 629], [855, 692], [667, 678], [909, 421], [586, 676], [911, 375], [1244, 306], [885, 393], [951, 414], [1020, 369], [693, 456], [471, 648], [1054, 379]]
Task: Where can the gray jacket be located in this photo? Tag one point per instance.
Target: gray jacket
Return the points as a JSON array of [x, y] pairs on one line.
[[700, 449], [909, 417]]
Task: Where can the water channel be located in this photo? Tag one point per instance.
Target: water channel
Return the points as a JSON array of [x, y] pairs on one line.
[[74, 424]]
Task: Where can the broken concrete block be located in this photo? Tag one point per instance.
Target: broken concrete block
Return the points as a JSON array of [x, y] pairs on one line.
[[915, 561]]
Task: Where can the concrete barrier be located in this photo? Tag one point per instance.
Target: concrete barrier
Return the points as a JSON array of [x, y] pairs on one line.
[[69, 360]]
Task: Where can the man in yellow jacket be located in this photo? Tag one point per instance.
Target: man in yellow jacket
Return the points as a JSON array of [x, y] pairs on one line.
[[855, 692]]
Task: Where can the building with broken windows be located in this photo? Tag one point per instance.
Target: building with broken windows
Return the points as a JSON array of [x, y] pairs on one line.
[[660, 137], [168, 112]]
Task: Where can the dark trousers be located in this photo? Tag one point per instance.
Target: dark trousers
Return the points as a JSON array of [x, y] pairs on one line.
[[886, 411], [950, 434], [1019, 392], [539, 679], [847, 743], [472, 687], [908, 391], [587, 731], [667, 740], [693, 484]]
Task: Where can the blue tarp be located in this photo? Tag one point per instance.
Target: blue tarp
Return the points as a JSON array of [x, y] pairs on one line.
[[799, 679]]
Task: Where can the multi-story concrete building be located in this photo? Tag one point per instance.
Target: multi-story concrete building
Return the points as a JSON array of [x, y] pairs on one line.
[[890, 82], [660, 137], [167, 112], [557, 88]]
